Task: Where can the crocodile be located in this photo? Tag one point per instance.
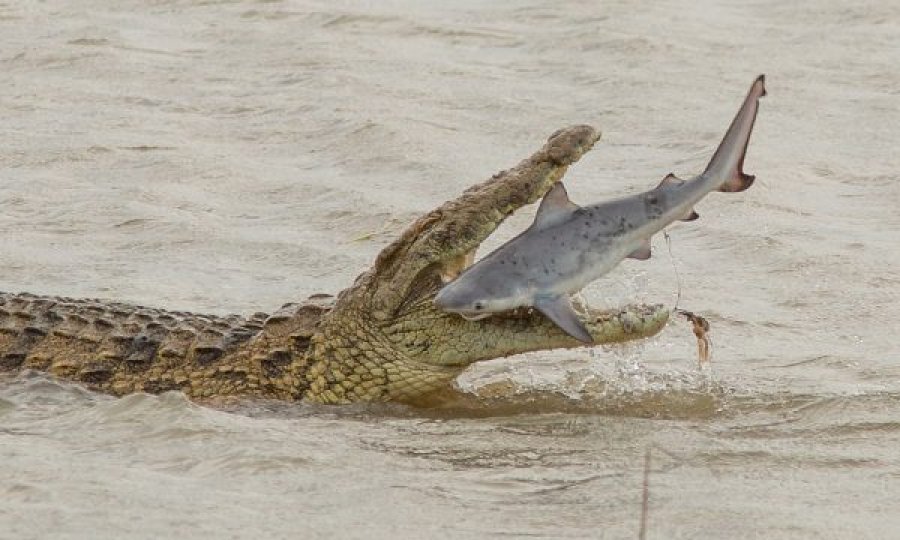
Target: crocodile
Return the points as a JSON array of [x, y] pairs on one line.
[[380, 340]]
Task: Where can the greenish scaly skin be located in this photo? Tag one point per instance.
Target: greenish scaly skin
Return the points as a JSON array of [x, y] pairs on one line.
[[382, 339]]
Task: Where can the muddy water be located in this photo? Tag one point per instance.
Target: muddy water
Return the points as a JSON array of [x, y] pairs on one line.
[[230, 156]]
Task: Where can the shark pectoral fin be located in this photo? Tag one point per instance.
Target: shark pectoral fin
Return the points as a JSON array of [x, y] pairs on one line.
[[642, 253], [559, 310], [555, 207], [691, 216]]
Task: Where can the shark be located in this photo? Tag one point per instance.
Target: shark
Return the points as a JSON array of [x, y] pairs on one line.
[[568, 246]]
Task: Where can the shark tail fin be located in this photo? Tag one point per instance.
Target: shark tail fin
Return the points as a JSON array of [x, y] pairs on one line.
[[727, 163]]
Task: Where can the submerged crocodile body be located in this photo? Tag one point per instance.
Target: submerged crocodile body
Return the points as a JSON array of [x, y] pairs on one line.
[[382, 339]]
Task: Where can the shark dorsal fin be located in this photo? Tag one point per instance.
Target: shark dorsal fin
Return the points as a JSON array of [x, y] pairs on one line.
[[670, 180], [555, 207]]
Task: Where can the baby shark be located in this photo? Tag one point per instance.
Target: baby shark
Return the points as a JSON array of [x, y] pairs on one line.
[[569, 246]]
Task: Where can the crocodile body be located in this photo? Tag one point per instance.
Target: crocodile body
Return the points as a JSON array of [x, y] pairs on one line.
[[382, 339]]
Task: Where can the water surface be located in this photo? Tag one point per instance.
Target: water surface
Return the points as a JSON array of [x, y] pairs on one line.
[[232, 156]]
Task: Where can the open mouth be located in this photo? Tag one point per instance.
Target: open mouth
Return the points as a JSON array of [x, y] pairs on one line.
[[453, 267], [474, 315]]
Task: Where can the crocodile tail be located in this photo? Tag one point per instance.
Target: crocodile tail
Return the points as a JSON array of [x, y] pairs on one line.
[[113, 347]]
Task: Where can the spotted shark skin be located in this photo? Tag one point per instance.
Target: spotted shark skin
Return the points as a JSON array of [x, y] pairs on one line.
[[569, 246]]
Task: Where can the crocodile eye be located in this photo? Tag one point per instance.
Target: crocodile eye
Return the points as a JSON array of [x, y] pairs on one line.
[[478, 306]]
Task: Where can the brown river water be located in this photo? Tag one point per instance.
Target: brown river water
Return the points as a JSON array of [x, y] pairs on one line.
[[231, 156]]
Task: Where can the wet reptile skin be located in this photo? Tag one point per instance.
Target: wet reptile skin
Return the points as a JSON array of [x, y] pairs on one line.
[[379, 340]]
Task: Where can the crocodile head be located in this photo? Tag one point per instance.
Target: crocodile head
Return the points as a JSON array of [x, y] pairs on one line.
[[385, 340]]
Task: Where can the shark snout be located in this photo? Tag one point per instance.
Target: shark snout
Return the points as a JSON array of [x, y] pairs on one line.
[[456, 299], [441, 299], [449, 299]]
